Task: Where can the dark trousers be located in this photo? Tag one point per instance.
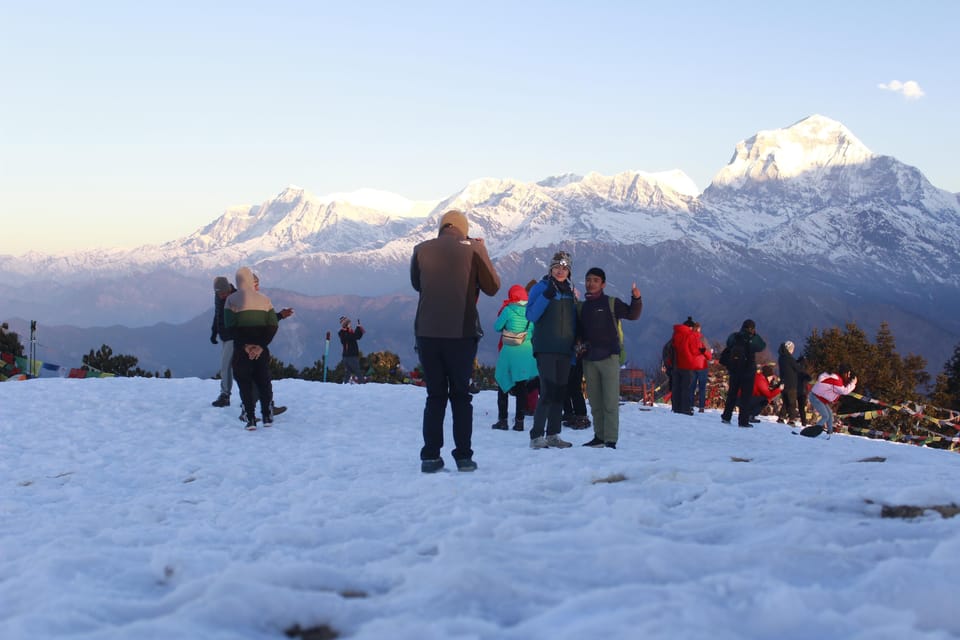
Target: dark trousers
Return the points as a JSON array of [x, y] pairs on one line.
[[802, 407], [253, 379], [757, 405], [740, 381], [554, 370], [681, 400], [574, 404], [698, 384], [519, 391], [447, 366], [788, 404]]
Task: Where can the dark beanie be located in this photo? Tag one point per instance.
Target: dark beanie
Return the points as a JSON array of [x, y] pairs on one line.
[[689, 322], [597, 271], [748, 324]]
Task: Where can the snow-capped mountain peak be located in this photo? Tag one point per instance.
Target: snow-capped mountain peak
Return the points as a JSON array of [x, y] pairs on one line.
[[807, 147]]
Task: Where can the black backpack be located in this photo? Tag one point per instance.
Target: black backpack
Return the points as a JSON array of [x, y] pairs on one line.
[[735, 356]]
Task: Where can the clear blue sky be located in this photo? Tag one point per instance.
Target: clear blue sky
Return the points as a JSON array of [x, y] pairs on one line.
[[129, 123]]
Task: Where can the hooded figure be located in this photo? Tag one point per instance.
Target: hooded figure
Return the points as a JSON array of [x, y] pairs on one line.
[[515, 363], [252, 321]]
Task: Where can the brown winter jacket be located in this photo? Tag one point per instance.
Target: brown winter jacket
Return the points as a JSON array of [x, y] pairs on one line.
[[449, 272]]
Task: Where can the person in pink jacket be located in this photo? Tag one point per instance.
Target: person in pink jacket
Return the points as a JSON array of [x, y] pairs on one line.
[[827, 390]]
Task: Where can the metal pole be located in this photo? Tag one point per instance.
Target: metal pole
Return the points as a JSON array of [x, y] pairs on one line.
[[33, 346]]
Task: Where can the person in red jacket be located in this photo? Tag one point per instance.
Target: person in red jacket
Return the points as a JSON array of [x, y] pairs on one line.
[[686, 348], [701, 367], [764, 390]]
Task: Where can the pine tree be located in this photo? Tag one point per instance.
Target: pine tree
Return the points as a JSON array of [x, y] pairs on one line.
[[946, 393], [10, 341]]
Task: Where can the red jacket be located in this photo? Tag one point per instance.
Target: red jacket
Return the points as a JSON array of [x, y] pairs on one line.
[[761, 387], [686, 346], [702, 361]]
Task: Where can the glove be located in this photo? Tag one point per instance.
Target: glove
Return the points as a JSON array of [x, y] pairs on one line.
[[550, 292], [213, 338]]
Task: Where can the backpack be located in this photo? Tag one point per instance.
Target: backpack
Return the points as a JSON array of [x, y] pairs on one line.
[[667, 355], [616, 320], [734, 357]]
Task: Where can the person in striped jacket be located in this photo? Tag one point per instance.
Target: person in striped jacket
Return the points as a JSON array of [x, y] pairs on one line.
[[827, 390]]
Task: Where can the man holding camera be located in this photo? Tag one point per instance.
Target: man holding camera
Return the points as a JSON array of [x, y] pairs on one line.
[[449, 272], [765, 388]]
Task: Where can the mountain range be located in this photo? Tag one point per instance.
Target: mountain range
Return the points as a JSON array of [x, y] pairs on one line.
[[803, 228]]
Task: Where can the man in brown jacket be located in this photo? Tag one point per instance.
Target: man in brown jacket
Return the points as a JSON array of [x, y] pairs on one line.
[[449, 271]]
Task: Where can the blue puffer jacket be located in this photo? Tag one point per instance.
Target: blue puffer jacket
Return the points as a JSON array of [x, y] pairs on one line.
[[555, 319]]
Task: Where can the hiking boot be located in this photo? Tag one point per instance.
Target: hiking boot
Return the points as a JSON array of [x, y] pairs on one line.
[[556, 442], [267, 420], [251, 424], [466, 465], [610, 445], [275, 410], [538, 443], [222, 401], [518, 424], [725, 420], [501, 424], [701, 410], [431, 466], [596, 443], [745, 426], [582, 422]]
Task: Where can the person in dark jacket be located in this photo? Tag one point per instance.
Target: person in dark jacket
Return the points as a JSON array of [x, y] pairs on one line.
[[449, 272], [742, 374], [601, 354], [221, 291], [251, 317], [789, 377], [350, 356], [553, 312]]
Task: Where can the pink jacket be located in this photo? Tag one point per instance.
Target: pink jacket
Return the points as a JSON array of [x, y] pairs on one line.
[[830, 386]]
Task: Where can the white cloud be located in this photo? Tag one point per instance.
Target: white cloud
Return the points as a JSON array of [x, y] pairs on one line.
[[910, 89]]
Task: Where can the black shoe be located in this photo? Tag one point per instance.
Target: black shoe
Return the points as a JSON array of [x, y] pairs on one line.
[[518, 425], [755, 420], [222, 401], [466, 465], [745, 426], [267, 420], [431, 466], [277, 410], [500, 424], [595, 443], [725, 420], [251, 424], [610, 445]]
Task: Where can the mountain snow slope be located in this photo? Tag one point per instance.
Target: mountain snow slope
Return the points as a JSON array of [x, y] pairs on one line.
[[805, 226]]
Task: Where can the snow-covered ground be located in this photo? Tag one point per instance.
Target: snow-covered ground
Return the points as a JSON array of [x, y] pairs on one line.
[[131, 508]]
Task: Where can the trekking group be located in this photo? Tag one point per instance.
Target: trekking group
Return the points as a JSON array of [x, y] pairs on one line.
[[550, 342]]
